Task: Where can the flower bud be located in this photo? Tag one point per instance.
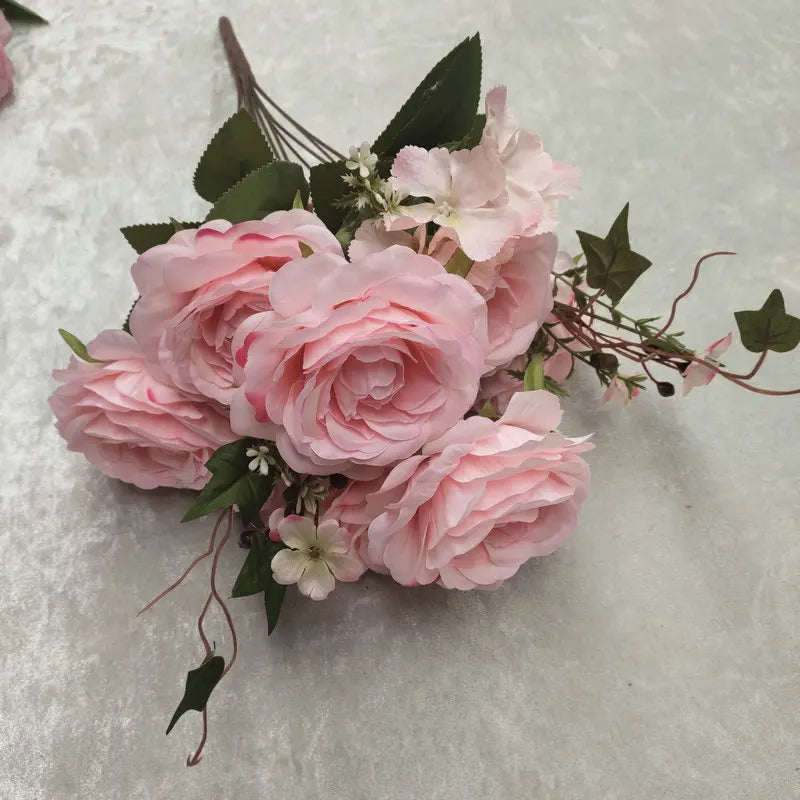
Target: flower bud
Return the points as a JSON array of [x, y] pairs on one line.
[[665, 388]]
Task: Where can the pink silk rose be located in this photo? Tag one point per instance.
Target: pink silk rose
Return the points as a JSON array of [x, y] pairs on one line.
[[359, 364], [6, 67], [129, 424], [198, 287], [518, 292], [481, 500]]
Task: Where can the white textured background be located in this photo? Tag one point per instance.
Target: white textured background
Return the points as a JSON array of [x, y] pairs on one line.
[[655, 656]]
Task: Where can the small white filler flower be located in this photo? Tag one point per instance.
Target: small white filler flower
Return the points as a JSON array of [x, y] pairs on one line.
[[362, 160], [262, 460], [315, 557]]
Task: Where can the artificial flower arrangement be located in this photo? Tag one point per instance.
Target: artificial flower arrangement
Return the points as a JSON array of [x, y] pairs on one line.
[[366, 366], [10, 10]]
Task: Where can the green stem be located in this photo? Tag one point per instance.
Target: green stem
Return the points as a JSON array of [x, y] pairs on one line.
[[534, 373]]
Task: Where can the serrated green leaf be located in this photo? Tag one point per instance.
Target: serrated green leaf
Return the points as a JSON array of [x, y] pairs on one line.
[[473, 137], [200, 683], [237, 149], [78, 347], [267, 189], [150, 234], [611, 265], [442, 108], [327, 188], [770, 327], [16, 11], [232, 483]]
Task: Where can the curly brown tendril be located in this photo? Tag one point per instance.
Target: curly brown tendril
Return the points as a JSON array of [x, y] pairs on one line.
[[579, 322]]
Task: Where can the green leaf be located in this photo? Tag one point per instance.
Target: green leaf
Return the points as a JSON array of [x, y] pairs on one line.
[[327, 188], [200, 683], [237, 149], [78, 347], [143, 237], [16, 11], [273, 601], [269, 188], [473, 137], [459, 264], [554, 387], [126, 326], [534, 374], [256, 571], [232, 483], [770, 327], [488, 411], [256, 576], [442, 108], [611, 264]]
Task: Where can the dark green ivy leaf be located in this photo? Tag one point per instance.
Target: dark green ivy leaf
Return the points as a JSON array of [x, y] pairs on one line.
[[273, 600], [269, 188], [237, 149], [256, 576], [150, 234], [327, 188], [78, 347], [256, 571], [769, 328], [200, 683], [611, 265], [442, 108], [232, 483], [16, 11]]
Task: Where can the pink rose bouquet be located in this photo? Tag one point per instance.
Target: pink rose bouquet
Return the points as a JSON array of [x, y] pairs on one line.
[[366, 362]]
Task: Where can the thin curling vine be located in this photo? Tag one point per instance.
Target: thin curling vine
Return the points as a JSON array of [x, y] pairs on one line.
[[583, 325]]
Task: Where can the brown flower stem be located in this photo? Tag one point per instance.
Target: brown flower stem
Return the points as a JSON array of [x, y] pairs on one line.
[[194, 760], [250, 96], [213, 594], [188, 569], [686, 291], [756, 367]]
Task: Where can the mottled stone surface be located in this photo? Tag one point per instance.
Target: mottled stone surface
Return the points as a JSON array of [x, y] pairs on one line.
[[655, 656]]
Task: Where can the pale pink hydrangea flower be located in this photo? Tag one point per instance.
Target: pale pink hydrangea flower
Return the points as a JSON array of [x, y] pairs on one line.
[[699, 374], [466, 195], [618, 390], [476, 503], [534, 182], [131, 425]]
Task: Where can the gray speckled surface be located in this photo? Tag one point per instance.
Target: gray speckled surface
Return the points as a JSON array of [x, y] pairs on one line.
[[655, 656]]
